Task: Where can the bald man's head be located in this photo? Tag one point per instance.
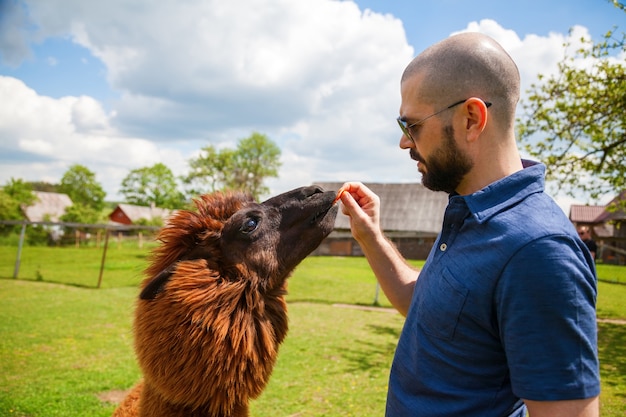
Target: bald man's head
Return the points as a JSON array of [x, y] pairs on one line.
[[468, 65]]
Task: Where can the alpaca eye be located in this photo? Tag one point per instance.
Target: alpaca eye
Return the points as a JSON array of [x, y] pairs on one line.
[[249, 226]]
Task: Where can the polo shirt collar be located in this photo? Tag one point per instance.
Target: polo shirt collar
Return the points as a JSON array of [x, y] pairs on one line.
[[507, 192]]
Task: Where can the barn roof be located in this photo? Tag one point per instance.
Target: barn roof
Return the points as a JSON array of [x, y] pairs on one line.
[[584, 214], [135, 213], [404, 207], [47, 207], [615, 209], [599, 214]]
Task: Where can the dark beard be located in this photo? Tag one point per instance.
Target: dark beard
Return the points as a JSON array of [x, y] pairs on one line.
[[447, 166]]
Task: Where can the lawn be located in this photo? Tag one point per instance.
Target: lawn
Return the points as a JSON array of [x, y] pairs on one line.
[[64, 346]]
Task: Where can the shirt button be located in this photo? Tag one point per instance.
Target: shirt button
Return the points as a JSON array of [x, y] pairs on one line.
[[443, 247]]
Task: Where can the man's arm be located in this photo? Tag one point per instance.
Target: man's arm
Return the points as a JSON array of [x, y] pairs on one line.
[[396, 277], [588, 407]]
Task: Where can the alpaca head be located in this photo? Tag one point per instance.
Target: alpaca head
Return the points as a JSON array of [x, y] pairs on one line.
[[211, 312]]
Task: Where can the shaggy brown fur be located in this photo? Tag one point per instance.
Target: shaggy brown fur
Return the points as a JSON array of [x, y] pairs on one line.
[[211, 314]]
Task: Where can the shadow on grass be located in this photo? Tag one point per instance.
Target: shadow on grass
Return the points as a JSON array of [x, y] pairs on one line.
[[93, 286], [385, 331], [612, 281], [328, 302], [367, 355], [612, 352], [46, 281], [370, 355]]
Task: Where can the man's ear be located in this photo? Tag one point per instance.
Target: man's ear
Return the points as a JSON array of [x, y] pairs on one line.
[[476, 117], [157, 284]]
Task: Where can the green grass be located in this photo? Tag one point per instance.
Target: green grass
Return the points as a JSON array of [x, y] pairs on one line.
[[62, 345], [340, 375], [612, 352], [123, 266], [614, 274]]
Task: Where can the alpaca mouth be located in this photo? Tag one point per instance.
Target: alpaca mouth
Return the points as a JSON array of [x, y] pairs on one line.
[[318, 216]]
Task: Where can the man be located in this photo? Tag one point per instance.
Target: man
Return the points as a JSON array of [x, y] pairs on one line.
[[585, 235], [501, 318]]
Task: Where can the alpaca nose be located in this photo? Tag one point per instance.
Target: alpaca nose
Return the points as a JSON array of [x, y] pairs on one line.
[[299, 194], [312, 190]]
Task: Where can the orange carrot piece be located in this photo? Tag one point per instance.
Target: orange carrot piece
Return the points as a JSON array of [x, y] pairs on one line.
[[339, 193]]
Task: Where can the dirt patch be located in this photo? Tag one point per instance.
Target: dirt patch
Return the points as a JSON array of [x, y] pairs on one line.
[[366, 308], [114, 396], [612, 321]]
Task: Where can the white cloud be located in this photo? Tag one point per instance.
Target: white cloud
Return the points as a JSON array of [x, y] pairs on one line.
[[533, 54], [203, 65], [320, 78], [40, 137]]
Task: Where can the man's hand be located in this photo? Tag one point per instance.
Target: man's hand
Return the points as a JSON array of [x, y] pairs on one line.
[[362, 206]]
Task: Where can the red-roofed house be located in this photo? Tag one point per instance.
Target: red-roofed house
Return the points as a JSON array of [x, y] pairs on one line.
[[129, 214], [607, 225]]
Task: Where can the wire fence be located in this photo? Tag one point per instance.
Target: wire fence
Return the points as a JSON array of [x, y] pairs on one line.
[[87, 252], [77, 235]]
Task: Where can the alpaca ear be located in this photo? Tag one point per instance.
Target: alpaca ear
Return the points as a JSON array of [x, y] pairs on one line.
[[157, 284]]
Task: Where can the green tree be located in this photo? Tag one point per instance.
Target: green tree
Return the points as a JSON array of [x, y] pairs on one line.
[[20, 191], [13, 196], [208, 172], [80, 184], [44, 186], [152, 185], [257, 158], [245, 168], [81, 213], [575, 121], [9, 207], [618, 4]]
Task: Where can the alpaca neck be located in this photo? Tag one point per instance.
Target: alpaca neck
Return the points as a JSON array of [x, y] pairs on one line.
[[152, 404], [208, 362]]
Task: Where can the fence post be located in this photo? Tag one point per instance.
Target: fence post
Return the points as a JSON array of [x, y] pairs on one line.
[[18, 260], [104, 256], [376, 303]]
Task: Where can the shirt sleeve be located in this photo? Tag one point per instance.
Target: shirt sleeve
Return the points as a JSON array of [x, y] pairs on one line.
[[545, 302]]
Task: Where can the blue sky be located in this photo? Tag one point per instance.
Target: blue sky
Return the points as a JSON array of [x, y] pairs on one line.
[[124, 84]]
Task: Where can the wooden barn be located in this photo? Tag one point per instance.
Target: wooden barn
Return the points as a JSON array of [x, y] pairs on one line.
[[47, 207], [411, 216], [607, 225], [129, 214]]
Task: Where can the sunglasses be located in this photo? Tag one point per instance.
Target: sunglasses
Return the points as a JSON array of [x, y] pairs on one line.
[[406, 128]]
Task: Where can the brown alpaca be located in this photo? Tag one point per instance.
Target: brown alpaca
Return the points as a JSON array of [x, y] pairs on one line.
[[211, 314]]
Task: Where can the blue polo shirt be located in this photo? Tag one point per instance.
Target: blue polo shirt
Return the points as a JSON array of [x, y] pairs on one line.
[[503, 309]]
